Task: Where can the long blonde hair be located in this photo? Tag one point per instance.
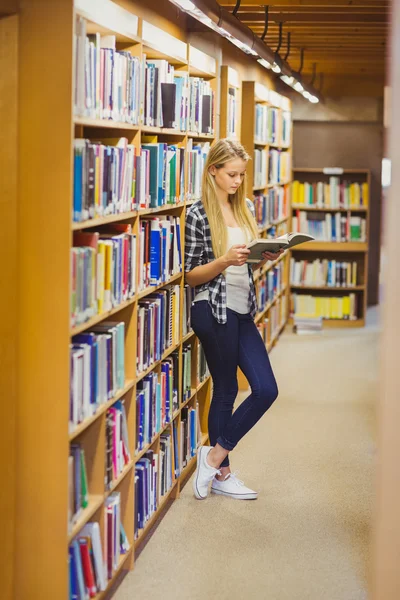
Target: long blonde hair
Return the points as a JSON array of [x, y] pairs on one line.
[[220, 153]]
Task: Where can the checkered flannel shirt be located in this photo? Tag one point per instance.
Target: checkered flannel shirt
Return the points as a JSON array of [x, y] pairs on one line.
[[198, 251]]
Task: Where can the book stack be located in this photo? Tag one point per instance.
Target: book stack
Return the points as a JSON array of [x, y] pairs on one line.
[[233, 111], [201, 106], [77, 483], [323, 272], [261, 123], [307, 325], [156, 401], [165, 173], [188, 298], [159, 100], [343, 307], [279, 167], [157, 325], [97, 360], [146, 495], [260, 169], [107, 82], [166, 463], [197, 156], [107, 179], [337, 227], [160, 254], [190, 436], [117, 443], [286, 132], [87, 572], [273, 125], [335, 194], [103, 270], [271, 207], [202, 367], [186, 371]]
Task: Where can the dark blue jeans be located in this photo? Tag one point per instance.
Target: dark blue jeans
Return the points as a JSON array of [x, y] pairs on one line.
[[227, 347]]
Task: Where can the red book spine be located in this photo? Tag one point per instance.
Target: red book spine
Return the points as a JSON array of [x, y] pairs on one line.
[[87, 568]]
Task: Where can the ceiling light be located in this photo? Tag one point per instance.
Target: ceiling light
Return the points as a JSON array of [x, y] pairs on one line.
[[264, 63], [306, 95], [276, 68], [288, 80], [185, 4], [313, 99], [298, 87]]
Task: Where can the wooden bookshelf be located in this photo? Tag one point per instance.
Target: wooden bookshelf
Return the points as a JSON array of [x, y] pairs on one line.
[[231, 88], [254, 93], [349, 251]]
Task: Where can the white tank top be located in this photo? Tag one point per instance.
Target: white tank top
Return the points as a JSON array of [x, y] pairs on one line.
[[237, 278]]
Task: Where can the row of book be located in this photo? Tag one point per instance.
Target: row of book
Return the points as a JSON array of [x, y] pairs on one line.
[[332, 194], [272, 206], [202, 366], [266, 124], [197, 156], [115, 85], [114, 179], [260, 168], [156, 401], [160, 253], [103, 270], [279, 166], [338, 227], [269, 285], [93, 559], [157, 325], [78, 497], [323, 272], [189, 294], [97, 364], [335, 307]]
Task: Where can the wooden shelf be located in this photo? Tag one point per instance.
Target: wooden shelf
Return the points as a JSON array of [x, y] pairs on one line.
[[160, 209], [102, 409], [326, 288], [338, 323], [321, 170], [153, 518], [362, 209], [270, 304], [142, 452], [201, 136], [147, 129], [155, 364], [331, 247], [187, 337], [120, 477], [104, 220], [104, 123], [101, 317], [95, 502], [151, 289]]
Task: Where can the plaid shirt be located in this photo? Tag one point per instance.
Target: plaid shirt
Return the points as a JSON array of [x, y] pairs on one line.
[[198, 251]]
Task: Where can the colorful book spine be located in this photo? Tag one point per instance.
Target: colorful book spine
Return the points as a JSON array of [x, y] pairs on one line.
[[327, 307]]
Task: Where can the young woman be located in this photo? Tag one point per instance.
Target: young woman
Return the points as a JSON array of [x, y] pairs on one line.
[[218, 228]]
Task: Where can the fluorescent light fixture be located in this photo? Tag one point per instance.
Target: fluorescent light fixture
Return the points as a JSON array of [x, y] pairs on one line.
[[313, 99], [242, 46], [288, 80], [306, 95], [185, 4], [276, 68], [298, 87], [264, 63]]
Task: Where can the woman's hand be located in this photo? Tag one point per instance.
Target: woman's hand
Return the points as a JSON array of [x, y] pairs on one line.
[[268, 256], [237, 255]]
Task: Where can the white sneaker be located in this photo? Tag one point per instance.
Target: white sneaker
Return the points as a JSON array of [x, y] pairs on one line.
[[204, 473], [233, 487]]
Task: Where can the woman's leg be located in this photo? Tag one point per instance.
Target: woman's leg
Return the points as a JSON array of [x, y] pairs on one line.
[[221, 348], [255, 364]]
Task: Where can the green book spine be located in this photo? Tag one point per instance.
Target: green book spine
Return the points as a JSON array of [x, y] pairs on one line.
[[84, 482]]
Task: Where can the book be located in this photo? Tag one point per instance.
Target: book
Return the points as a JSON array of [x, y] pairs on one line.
[[289, 240]]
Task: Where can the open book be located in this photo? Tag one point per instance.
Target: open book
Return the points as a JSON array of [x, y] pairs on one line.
[[257, 247]]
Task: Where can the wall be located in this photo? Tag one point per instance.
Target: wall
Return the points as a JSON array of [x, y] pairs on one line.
[[348, 133]]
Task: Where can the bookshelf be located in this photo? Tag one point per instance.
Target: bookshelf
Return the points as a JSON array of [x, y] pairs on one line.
[[266, 134], [332, 205]]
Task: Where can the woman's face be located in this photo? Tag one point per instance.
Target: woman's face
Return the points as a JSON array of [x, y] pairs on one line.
[[229, 177]]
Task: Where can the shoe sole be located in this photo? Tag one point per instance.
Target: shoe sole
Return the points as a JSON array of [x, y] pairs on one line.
[[195, 490], [235, 496]]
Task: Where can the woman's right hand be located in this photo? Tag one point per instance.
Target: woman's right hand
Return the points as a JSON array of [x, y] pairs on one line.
[[237, 255]]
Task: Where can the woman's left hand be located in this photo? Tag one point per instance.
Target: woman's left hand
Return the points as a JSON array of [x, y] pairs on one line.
[[268, 256]]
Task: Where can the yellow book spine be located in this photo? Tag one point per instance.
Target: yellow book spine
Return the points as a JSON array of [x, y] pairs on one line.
[[108, 277], [101, 258], [365, 194]]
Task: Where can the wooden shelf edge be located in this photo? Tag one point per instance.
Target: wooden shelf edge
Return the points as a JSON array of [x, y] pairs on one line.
[[338, 323], [150, 368], [331, 247], [104, 123], [102, 316], [77, 226], [102, 409], [122, 561], [120, 477], [315, 288], [142, 452], [151, 289], [95, 502], [329, 208], [187, 337]]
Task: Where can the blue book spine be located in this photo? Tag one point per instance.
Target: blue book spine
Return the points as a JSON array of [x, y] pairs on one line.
[[192, 432], [73, 576], [78, 166], [158, 407], [82, 595], [178, 234], [155, 256]]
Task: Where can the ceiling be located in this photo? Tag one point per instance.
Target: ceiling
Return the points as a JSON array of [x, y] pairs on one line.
[[346, 39]]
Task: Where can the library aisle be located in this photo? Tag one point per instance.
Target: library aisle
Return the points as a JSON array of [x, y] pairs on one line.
[[307, 537]]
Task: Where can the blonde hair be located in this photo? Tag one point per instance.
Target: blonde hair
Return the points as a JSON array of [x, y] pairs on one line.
[[220, 153]]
